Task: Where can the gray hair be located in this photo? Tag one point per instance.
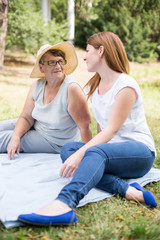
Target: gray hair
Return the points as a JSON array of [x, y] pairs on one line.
[[53, 52]]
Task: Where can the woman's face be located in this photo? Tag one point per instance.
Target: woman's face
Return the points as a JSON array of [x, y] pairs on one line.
[[92, 58], [53, 67]]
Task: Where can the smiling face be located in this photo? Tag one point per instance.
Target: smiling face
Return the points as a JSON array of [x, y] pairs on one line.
[[92, 58], [52, 72]]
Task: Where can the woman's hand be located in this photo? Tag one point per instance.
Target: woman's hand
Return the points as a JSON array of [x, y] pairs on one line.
[[70, 165], [13, 147]]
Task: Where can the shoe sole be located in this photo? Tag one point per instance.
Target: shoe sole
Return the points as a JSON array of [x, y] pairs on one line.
[[51, 224]]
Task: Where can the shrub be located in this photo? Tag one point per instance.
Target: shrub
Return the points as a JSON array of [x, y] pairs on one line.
[[136, 22], [27, 30]]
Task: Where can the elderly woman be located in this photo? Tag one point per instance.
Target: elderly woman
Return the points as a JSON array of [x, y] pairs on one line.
[[55, 111]]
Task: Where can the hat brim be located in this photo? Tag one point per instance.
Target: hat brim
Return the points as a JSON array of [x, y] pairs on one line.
[[70, 56]]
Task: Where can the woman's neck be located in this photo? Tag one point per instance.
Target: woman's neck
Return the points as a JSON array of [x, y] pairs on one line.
[[108, 78], [107, 74], [53, 84]]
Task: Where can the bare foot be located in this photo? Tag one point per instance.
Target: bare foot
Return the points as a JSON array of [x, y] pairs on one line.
[[54, 208], [134, 194]]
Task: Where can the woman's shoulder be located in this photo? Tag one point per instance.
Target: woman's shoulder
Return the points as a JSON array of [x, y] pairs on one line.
[[69, 80], [126, 77], [71, 84], [38, 86], [124, 81], [40, 82], [127, 80]]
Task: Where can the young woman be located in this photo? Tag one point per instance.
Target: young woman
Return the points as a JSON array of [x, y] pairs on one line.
[[123, 147]]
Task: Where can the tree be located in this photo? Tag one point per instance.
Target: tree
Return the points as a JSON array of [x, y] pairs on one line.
[[27, 30], [136, 22], [3, 28]]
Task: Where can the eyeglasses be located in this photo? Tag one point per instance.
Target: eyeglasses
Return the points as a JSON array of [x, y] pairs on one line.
[[61, 62]]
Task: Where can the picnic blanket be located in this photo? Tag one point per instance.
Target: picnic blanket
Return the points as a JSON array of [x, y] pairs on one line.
[[32, 180]]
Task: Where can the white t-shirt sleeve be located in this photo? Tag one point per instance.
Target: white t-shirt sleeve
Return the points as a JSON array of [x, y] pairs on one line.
[[127, 82]]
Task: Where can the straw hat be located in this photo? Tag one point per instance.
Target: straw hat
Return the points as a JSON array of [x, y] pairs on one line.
[[70, 56]]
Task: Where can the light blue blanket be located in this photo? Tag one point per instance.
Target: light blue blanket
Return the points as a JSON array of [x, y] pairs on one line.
[[32, 180]]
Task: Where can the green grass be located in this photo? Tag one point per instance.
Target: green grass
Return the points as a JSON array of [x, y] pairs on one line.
[[113, 218]]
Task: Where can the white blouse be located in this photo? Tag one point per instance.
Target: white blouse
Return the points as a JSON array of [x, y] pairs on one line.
[[135, 127]]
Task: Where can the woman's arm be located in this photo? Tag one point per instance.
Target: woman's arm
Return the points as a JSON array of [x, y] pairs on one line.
[[78, 109], [123, 104], [24, 123]]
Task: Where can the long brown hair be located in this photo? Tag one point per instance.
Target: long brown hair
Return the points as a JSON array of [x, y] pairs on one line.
[[114, 52]]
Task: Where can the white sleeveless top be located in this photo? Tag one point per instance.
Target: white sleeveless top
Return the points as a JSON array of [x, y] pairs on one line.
[[135, 127], [53, 120]]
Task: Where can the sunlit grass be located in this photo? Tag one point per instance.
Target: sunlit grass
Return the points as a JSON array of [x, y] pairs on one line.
[[12, 98], [145, 72]]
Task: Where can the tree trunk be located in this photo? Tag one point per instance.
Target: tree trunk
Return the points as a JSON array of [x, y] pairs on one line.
[[3, 28], [46, 10], [71, 21]]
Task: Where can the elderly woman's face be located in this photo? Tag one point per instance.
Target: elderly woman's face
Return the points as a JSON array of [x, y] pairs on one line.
[[53, 66]]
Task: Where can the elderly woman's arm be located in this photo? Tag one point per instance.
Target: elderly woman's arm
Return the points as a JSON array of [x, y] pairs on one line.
[[24, 123], [78, 109]]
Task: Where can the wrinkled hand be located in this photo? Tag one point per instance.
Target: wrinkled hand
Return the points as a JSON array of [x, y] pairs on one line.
[[13, 147], [70, 165]]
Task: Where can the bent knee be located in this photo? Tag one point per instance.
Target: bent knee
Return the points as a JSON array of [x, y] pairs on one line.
[[69, 148], [5, 138], [66, 151], [95, 150]]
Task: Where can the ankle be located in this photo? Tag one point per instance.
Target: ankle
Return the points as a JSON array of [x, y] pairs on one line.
[[134, 194], [62, 206], [54, 208]]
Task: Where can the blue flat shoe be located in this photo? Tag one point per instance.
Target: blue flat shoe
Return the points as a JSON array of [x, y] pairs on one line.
[[41, 220], [148, 196]]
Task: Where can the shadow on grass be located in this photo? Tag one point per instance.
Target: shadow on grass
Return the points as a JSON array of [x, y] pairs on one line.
[[17, 61]]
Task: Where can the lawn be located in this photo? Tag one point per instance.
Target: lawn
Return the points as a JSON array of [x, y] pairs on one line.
[[113, 218]]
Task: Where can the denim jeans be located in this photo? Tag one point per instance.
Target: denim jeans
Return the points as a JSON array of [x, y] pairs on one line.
[[103, 166]]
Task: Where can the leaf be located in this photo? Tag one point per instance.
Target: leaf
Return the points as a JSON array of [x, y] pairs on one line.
[[133, 201], [45, 238], [119, 218]]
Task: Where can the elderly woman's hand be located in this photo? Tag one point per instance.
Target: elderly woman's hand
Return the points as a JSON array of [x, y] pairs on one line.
[[70, 165], [13, 147]]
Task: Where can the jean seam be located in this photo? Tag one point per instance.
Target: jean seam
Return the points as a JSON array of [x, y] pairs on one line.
[[131, 157], [110, 155], [87, 182]]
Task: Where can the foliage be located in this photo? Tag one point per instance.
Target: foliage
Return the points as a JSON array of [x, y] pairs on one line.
[[26, 29], [136, 22], [59, 10], [86, 21]]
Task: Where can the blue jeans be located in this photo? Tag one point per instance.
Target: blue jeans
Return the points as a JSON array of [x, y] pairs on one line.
[[103, 166]]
